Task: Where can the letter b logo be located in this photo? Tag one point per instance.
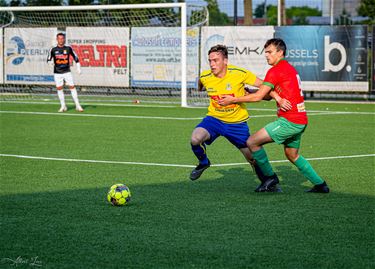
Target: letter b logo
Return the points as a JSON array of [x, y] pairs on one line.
[[328, 48]]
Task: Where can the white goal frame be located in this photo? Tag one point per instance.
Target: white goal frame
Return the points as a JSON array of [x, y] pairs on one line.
[[181, 6]]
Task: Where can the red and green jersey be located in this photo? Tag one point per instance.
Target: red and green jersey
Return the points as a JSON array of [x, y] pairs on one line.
[[284, 79]]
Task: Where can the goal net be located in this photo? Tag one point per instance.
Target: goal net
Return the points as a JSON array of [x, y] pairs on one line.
[[146, 52]]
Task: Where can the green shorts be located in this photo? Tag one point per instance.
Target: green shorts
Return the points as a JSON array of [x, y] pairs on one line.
[[285, 132]]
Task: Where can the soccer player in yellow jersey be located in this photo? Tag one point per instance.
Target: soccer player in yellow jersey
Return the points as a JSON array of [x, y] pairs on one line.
[[228, 121]]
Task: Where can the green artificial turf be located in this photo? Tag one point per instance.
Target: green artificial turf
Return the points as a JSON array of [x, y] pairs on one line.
[[56, 210]]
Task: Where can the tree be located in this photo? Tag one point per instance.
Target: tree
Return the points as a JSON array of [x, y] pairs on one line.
[[299, 14], [16, 3], [130, 1], [271, 15], [44, 2], [259, 10], [79, 2], [216, 16], [367, 9]]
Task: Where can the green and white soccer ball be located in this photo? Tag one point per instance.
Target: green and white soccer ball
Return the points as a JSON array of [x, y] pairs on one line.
[[119, 194]]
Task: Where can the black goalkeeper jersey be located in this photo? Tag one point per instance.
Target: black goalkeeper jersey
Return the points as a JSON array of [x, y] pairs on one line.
[[61, 58]]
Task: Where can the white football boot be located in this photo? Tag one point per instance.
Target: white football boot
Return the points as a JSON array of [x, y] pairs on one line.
[[63, 109], [79, 108]]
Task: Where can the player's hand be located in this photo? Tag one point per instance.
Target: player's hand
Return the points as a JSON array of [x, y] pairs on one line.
[[284, 104], [227, 100], [79, 71]]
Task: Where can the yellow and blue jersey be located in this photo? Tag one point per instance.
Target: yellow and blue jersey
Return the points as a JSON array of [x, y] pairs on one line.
[[233, 84]]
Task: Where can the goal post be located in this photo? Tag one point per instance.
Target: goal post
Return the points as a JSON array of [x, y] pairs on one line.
[[127, 51]]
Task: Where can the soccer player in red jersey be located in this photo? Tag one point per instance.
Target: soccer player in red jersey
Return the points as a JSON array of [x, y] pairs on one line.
[[292, 119]]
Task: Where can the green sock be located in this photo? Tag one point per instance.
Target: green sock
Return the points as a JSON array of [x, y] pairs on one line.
[[306, 169], [262, 161]]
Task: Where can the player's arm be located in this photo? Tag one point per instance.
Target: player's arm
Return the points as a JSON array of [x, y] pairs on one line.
[[264, 91], [76, 59], [50, 57], [200, 86], [258, 82], [253, 97], [284, 104]]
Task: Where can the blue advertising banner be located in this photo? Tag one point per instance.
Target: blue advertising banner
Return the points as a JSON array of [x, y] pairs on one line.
[[156, 57], [25, 55], [328, 58]]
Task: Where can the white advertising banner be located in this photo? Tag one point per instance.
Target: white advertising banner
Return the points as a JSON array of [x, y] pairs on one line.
[[25, 55], [245, 46], [103, 54], [156, 57], [1, 57]]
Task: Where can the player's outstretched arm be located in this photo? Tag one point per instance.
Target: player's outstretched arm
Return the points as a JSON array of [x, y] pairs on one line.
[[253, 97], [258, 82], [76, 59], [49, 57]]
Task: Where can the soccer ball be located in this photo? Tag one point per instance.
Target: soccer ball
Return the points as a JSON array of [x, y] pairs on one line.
[[118, 195]]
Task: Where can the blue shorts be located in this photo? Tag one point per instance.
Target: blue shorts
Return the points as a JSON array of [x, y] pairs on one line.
[[236, 133]]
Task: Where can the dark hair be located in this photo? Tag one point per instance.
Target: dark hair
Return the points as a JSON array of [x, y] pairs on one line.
[[60, 34], [221, 49], [278, 43]]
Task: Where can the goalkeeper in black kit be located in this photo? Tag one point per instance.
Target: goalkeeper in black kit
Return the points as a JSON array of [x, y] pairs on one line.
[[59, 56]]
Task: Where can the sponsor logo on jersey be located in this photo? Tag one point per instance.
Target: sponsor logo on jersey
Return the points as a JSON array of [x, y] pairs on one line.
[[216, 98], [61, 56], [62, 61], [301, 107]]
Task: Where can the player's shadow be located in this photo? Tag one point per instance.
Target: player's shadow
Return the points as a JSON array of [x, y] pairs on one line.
[[73, 107], [291, 180]]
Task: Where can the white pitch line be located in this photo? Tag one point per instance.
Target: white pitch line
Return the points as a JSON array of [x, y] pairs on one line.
[[91, 104], [172, 165], [95, 161], [97, 115], [309, 159], [340, 102], [175, 106], [319, 113], [123, 105], [112, 116], [160, 118]]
